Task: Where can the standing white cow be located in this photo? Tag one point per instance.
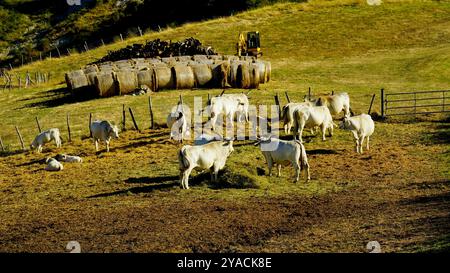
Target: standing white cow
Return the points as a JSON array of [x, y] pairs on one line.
[[278, 152], [311, 117], [228, 105], [104, 131], [179, 123], [45, 137], [287, 113], [361, 126], [336, 103], [212, 156]]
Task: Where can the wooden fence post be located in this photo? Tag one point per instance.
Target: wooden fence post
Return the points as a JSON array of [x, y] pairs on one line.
[[68, 127], [150, 108], [124, 126], [20, 138], [382, 103], [309, 93], [1, 145], [371, 102], [134, 121], [38, 125], [90, 122], [277, 102], [287, 97]]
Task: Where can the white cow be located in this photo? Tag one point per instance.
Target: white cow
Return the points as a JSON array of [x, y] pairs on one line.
[[361, 126], [45, 137], [206, 138], [178, 121], [228, 105], [287, 113], [53, 165], [69, 158], [311, 117], [278, 152], [335, 103], [104, 131], [211, 156]]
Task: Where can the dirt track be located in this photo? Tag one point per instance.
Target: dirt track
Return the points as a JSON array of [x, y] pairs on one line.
[[400, 200]]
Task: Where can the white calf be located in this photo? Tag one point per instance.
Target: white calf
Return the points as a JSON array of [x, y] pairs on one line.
[[178, 121], [69, 158], [287, 114], [278, 151], [104, 131], [53, 165], [361, 126], [45, 137], [335, 103]]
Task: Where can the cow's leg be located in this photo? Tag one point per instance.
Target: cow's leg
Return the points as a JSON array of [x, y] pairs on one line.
[[297, 167], [279, 169], [39, 149], [186, 174], [107, 145], [355, 135], [285, 129], [324, 130], [330, 129], [368, 139], [96, 145], [361, 143]]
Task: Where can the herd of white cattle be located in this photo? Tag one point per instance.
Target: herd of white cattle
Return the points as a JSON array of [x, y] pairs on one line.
[[211, 150]]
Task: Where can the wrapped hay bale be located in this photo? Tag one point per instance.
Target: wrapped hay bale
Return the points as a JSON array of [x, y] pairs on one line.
[[202, 75], [183, 77], [248, 58], [126, 81], [76, 79], [107, 68], [232, 78], [171, 61], [105, 84], [154, 61], [215, 57], [90, 68], [208, 62], [220, 74], [148, 78], [164, 78], [124, 66]]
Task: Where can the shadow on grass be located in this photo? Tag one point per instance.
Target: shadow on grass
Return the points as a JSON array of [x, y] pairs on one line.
[[58, 97]]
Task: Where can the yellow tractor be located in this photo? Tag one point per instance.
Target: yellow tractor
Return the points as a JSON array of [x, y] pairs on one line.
[[250, 46]]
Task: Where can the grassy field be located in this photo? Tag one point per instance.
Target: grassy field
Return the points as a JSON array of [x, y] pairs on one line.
[[129, 199]]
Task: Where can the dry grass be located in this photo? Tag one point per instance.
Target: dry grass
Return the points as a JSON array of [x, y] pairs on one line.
[[129, 199]]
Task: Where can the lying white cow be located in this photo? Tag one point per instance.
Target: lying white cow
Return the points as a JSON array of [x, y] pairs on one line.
[[179, 123], [287, 114], [311, 117], [69, 158], [45, 137], [210, 156], [278, 152], [361, 126], [228, 105], [206, 138], [104, 131], [335, 103], [53, 165]]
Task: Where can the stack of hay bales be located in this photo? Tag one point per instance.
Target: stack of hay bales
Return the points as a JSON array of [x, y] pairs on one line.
[[180, 72]]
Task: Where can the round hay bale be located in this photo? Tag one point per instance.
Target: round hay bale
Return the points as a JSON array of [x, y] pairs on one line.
[[169, 60], [254, 76], [202, 74], [148, 78], [262, 71], [183, 58], [164, 78], [90, 68], [183, 77], [268, 70], [105, 84], [248, 58], [154, 61], [220, 73], [208, 62], [215, 57], [126, 81], [76, 79], [243, 76], [107, 68], [231, 58], [91, 78], [200, 58], [123, 66]]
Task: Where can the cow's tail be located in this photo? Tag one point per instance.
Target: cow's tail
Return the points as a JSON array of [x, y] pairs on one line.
[[183, 158]]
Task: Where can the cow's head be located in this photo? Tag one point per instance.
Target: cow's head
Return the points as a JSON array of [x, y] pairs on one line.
[[345, 123], [113, 131], [229, 143]]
